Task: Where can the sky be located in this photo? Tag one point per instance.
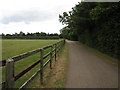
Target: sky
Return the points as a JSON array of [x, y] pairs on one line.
[[33, 15]]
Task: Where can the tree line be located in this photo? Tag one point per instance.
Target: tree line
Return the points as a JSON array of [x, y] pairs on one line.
[[96, 24], [37, 35]]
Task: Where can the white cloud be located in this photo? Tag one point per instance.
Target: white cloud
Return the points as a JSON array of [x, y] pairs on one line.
[[42, 15], [28, 16]]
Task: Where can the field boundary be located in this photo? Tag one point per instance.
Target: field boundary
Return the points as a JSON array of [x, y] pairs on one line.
[[9, 63]]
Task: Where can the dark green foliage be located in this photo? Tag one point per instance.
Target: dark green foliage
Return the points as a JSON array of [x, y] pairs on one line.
[[95, 24], [36, 35]]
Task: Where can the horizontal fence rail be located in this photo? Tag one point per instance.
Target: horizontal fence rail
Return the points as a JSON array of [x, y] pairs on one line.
[[26, 70], [9, 63]]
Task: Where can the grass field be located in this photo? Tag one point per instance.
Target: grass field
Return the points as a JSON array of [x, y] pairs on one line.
[[12, 48]]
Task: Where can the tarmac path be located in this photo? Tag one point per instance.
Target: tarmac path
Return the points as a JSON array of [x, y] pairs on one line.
[[86, 70]]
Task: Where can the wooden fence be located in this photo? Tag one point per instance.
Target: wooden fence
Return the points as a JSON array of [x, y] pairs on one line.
[[11, 77]]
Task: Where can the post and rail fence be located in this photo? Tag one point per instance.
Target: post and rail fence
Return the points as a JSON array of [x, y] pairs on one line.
[[9, 63]]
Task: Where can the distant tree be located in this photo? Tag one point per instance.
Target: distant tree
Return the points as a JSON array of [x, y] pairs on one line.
[[37, 35], [22, 33]]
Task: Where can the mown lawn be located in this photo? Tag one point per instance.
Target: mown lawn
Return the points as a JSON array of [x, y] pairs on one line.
[[12, 48]]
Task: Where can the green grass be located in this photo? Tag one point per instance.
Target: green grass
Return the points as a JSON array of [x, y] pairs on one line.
[[103, 56], [55, 77], [12, 48]]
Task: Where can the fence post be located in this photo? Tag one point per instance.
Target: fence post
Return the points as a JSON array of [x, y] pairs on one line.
[[51, 56], [56, 47], [64, 41], [9, 73], [41, 66], [55, 51]]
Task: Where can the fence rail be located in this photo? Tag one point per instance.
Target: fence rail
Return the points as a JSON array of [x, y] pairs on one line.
[[9, 63]]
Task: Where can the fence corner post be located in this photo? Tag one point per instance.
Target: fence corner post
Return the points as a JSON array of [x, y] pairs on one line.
[[41, 66], [55, 51], [51, 56], [10, 73]]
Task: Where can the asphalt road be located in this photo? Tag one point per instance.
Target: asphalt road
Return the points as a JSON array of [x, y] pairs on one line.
[[86, 70]]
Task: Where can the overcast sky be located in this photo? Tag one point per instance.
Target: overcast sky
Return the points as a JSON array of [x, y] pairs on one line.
[[33, 15]]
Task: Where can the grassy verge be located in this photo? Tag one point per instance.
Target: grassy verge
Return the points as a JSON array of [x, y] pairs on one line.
[[103, 56], [55, 77]]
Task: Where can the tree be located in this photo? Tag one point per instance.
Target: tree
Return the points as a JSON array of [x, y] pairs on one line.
[[95, 24]]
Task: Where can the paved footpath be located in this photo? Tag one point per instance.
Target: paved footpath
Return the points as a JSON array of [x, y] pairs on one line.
[[86, 70]]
